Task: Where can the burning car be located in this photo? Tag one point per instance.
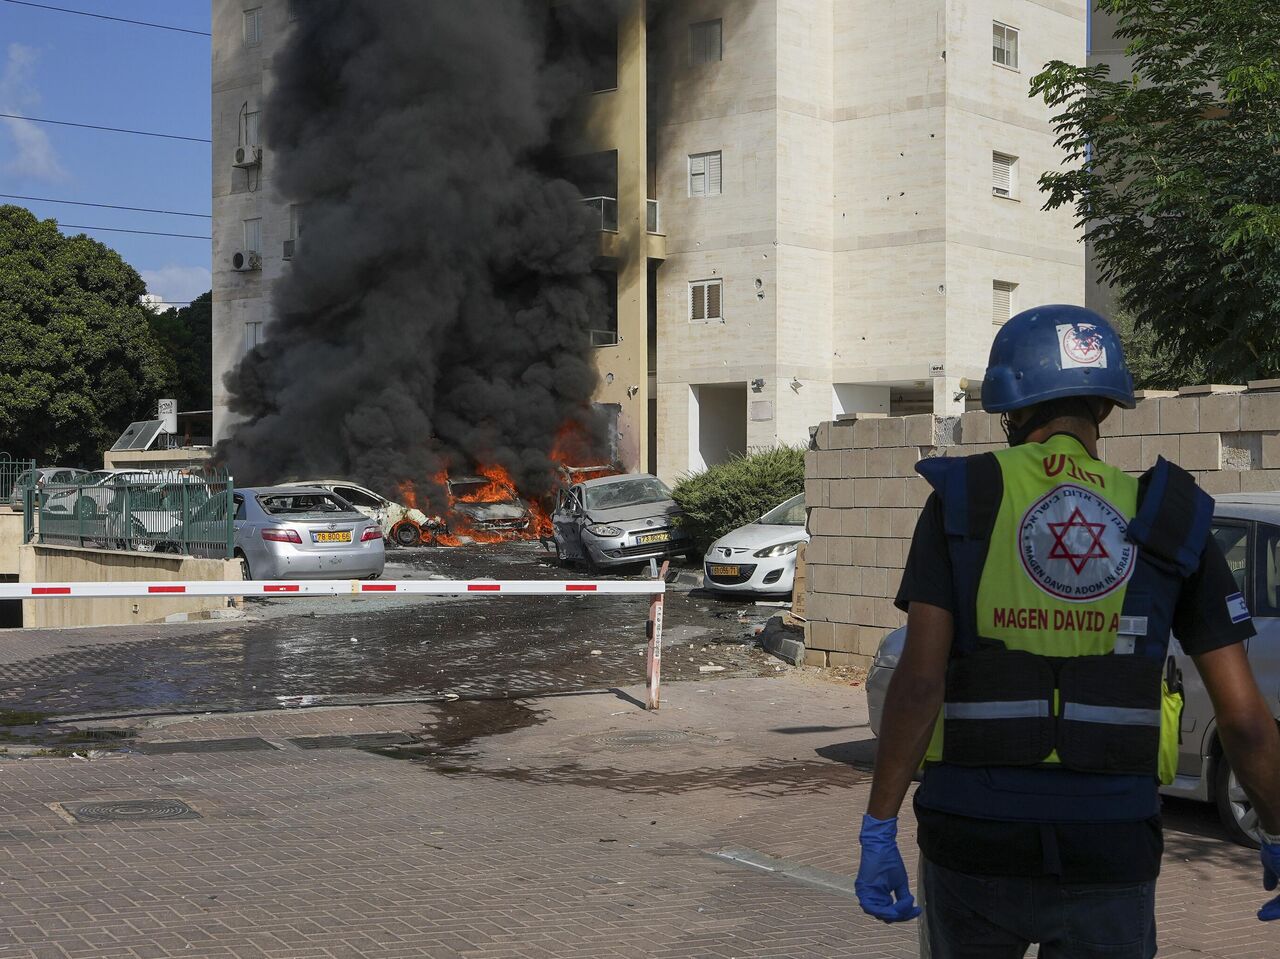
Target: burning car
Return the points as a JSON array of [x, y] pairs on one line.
[[400, 524], [617, 520], [487, 505]]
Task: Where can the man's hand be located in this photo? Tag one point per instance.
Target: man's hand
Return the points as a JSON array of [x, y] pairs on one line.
[[882, 886], [1270, 874]]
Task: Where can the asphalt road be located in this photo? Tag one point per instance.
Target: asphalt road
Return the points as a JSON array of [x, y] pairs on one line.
[[360, 650]]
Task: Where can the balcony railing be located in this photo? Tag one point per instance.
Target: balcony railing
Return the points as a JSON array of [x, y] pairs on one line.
[[607, 209]]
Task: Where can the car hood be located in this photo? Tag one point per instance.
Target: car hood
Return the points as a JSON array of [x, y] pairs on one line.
[[625, 514], [756, 536], [492, 511]]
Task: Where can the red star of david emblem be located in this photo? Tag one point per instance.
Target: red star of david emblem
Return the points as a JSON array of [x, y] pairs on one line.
[[1078, 559]]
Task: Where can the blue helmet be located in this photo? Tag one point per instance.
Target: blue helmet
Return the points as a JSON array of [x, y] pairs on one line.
[[1055, 351]]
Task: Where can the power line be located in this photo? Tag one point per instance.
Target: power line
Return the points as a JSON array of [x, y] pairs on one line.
[[116, 229], [104, 206], [90, 126], [103, 16]]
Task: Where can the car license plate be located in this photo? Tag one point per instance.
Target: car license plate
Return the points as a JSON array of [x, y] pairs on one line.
[[342, 536], [648, 538], [726, 570]]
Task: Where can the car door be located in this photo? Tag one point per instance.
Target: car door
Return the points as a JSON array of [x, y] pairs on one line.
[[1233, 536], [366, 502], [1264, 648], [566, 523]]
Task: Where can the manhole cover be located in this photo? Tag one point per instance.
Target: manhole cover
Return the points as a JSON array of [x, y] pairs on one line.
[[130, 810], [644, 737], [246, 744]]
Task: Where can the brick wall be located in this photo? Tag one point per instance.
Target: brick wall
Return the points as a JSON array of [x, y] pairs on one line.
[[864, 495]]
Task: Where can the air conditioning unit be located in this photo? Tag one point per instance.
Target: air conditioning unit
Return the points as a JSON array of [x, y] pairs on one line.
[[288, 249], [245, 260], [247, 156]]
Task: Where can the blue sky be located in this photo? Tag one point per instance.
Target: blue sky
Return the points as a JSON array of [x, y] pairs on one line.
[[85, 70]]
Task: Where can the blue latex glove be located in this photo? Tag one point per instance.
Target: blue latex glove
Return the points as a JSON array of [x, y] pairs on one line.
[[1270, 878], [881, 885]]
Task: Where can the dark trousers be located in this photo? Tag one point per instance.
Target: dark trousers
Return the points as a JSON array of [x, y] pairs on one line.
[[998, 917]]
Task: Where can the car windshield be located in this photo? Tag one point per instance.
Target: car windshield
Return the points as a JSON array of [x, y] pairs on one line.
[[630, 492], [474, 491], [293, 504], [790, 513]]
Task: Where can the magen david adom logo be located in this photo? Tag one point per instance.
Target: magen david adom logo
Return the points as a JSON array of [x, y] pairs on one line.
[[1081, 345], [1072, 545]]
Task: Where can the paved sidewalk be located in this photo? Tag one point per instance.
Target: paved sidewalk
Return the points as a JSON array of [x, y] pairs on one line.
[[583, 829]]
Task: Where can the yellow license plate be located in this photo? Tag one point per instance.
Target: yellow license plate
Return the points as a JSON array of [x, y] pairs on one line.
[[343, 536], [653, 538], [726, 571]]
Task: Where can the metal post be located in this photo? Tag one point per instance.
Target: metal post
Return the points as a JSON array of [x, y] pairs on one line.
[[186, 518], [79, 516], [28, 515], [231, 516], [127, 534], [654, 659]]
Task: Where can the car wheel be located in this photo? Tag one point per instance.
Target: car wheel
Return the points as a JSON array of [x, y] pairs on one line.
[[245, 573], [406, 534], [1235, 809], [86, 508]]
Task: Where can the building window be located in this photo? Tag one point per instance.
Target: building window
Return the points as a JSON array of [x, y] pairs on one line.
[[1002, 297], [252, 335], [1004, 45], [1004, 175], [706, 43], [250, 128], [293, 10], [704, 174], [253, 235], [253, 27], [704, 300]]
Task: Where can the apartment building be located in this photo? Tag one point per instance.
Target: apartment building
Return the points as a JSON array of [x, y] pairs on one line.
[[811, 208]]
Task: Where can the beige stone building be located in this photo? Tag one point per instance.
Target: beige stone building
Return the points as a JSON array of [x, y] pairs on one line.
[[812, 207]]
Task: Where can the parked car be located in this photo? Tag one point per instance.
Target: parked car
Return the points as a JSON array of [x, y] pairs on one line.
[[1247, 527], [399, 523], [37, 479], [290, 532], [97, 491], [617, 520], [761, 556], [486, 507]]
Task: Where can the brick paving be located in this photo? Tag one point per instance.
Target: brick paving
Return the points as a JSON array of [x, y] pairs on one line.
[[580, 828]]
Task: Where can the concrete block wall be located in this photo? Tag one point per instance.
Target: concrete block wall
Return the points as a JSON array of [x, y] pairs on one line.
[[864, 495]]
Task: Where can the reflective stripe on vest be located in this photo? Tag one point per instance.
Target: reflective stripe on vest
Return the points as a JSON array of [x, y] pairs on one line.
[[1111, 715], [1024, 709]]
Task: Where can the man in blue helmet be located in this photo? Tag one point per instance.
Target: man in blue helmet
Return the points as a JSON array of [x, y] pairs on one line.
[[1036, 685]]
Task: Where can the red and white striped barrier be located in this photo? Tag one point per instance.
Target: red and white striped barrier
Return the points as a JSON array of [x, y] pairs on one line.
[[656, 588], [329, 587]]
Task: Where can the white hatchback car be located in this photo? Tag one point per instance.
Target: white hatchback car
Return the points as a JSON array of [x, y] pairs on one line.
[[761, 556]]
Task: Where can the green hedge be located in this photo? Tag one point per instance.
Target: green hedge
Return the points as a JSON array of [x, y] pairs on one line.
[[740, 491]]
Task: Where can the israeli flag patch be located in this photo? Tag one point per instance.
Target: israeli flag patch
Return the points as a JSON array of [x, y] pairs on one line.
[[1237, 609]]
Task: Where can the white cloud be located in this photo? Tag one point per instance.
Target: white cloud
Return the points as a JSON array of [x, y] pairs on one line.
[[177, 284], [33, 153]]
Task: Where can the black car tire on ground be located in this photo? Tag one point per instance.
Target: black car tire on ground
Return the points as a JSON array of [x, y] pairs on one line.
[[406, 534], [1234, 808], [245, 573]]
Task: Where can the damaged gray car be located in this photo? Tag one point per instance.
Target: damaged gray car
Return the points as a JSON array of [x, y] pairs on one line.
[[617, 521]]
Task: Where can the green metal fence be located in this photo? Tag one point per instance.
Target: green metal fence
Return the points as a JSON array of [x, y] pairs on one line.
[[168, 512], [10, 470]]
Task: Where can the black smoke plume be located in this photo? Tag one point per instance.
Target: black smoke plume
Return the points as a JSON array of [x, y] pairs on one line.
[[437, 311]]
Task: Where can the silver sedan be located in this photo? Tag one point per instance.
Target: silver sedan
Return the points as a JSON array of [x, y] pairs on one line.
[[294, 533]]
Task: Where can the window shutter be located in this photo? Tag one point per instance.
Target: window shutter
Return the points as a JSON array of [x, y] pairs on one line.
[[715, 41], [713, 301], [251, 128], [713, 174], [697, 176], [697, 305], [1001, 174], [1001, 301]]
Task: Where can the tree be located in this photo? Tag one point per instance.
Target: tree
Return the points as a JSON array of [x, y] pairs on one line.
[[1175, 176], [186, 337], [78, 361], [1154, 364]]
